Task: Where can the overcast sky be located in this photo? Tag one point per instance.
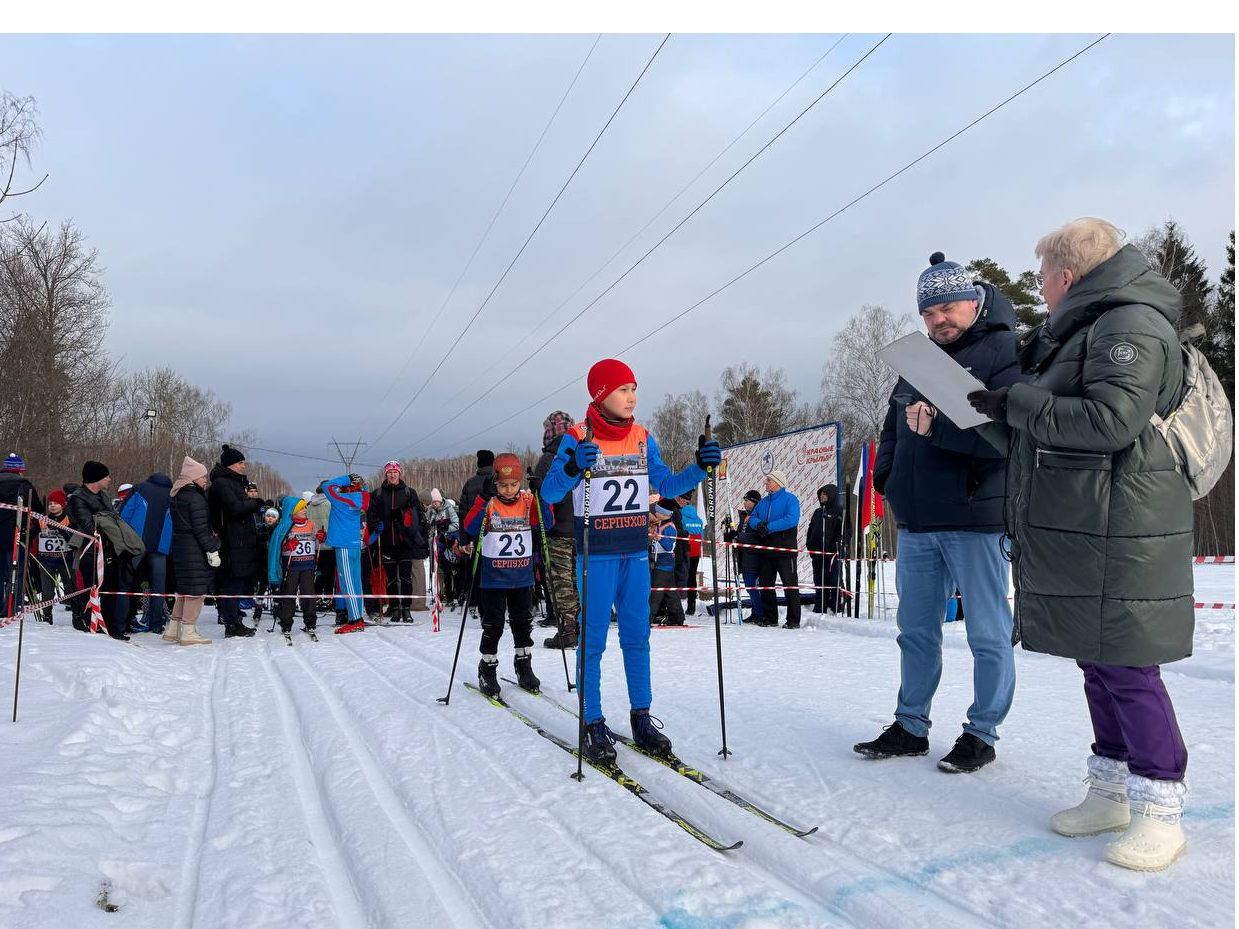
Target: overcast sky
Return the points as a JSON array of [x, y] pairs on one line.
[[281, 218]]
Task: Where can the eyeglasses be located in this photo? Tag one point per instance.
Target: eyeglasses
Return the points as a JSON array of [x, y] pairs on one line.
[[1038, 279]]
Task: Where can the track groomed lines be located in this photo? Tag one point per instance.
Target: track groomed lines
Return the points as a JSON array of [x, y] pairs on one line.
[[567, 832], [191, 866], [787, 874]]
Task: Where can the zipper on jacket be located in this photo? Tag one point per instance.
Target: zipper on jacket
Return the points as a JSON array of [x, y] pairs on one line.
[[1096, 456]]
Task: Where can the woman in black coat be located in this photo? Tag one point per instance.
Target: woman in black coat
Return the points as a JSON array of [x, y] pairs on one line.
[[195, 550]]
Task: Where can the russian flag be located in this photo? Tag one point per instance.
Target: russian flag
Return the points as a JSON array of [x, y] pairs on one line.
[[869, 502]]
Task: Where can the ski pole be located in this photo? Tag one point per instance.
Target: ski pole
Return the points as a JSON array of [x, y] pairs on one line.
[[546, 577], [712, 487], [581, 640], [464, 617], [21, 622], [12, 586]]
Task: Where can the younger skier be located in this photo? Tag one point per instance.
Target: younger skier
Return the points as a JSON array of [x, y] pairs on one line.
[[52, 552], [348, 502], [663, 538], [291, 561], [505, 524]]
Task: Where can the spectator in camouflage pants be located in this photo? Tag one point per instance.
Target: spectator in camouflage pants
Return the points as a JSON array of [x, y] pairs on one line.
[[560, 539]]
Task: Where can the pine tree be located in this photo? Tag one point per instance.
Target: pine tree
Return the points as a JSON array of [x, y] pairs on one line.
[[1175, 259], [1022, 292], [1218, 345]]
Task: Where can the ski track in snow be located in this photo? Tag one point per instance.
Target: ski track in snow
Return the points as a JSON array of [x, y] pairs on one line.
[[191, 871], [555, 756], [343, 775], [443, 884], [612, 889], [770, 866], [248, 784]]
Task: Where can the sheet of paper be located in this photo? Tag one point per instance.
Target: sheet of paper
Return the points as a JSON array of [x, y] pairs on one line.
[[937, 375]]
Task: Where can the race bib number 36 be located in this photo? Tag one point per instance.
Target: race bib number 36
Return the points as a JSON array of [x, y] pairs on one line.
[[305, 548]]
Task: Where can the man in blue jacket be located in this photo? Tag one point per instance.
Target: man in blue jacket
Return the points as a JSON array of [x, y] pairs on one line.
[[147, 510], [349, 500], [947, 487], [776, 520]]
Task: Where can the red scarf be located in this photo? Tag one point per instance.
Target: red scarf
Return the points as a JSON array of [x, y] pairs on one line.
[[612, 430]]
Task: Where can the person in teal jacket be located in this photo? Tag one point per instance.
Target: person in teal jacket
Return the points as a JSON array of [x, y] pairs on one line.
[[775, 520]]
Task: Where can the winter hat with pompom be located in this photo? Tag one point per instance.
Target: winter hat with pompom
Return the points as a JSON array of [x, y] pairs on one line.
[[943, 282]]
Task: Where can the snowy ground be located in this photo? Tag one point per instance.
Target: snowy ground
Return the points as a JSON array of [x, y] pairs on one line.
[[248, 784]]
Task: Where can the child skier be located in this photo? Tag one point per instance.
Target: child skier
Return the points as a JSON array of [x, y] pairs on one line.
[[663, 537], [624, 464], [291, 561], [505, 523], [52, 552]]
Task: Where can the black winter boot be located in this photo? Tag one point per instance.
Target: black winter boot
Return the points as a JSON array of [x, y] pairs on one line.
[[895, 741], [565, 638], [599, 743], [237, 630], [969, 754]]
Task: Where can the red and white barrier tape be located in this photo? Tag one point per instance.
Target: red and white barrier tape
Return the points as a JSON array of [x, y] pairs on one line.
[[1214, 606], [706, 590], [35, 607], [1214, 559], [265, 596]]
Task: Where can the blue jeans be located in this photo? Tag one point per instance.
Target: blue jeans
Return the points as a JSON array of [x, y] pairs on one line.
[[756, 611], [155, 568], [929, 568]]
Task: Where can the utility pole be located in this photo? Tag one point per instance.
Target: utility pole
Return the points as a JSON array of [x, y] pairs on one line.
[[347, 459]]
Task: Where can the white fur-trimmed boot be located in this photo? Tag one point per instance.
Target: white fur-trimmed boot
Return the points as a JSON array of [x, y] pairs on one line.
[[1155, 837], [1104, 808]]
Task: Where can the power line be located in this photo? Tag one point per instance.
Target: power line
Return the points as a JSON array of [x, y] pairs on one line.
[[272, 451], [798, 238], [443, 358], [491, 225], [585, 309], [636, 235]]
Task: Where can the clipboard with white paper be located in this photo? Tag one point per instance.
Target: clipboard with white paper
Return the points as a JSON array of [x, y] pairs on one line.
[[924, 365]]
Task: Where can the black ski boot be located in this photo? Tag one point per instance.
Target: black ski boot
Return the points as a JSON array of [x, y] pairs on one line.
[[237, 630], [524, 672], [645, 733], [895, 741], [488, 679], [599, 743]]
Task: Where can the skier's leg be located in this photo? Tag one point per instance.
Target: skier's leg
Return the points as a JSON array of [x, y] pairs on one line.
[[284, 608], [604, 574], [633, 615], [924, 584], [348, 570]]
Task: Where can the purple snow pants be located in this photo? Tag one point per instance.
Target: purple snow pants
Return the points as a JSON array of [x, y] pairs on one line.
[[1133, 720]]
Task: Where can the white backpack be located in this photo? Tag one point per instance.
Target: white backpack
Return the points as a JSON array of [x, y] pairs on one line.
[[1201, 431]]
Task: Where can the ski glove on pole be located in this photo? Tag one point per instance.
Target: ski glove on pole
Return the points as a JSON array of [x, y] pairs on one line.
[[585, 455], [992, 403], [709, 455]]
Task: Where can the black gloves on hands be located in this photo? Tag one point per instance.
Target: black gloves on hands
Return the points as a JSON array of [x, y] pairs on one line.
[[992, 403]]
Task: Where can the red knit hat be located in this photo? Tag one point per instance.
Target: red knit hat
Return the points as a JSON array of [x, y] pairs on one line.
[[58, 496], [607, 375], [508, 467]]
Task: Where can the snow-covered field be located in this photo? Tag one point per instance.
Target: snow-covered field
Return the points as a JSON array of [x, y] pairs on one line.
[[249, 784]]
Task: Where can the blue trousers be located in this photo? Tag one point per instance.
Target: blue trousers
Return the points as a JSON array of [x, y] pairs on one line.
[[622, 581], [348, 583], [757, 611]]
